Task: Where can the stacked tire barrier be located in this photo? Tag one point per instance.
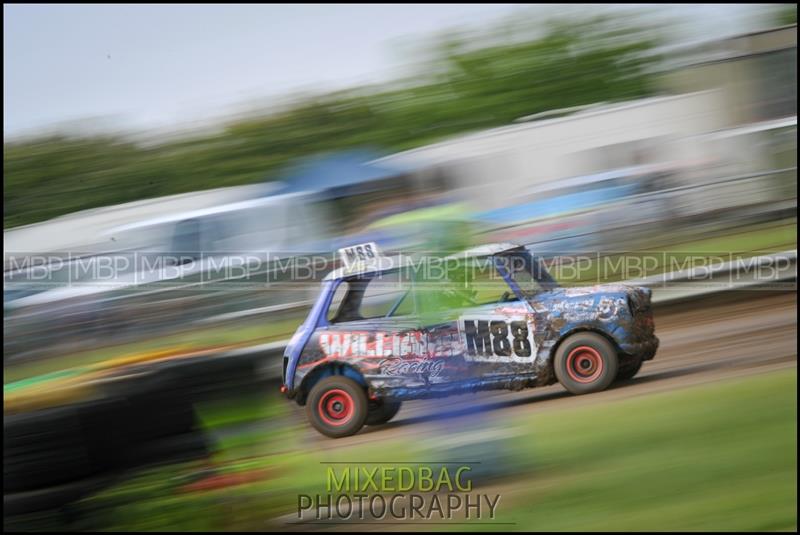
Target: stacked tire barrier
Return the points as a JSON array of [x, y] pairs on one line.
[[57, 455]]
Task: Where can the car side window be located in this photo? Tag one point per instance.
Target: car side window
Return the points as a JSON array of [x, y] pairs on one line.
[[404, 305], [487, 284], [467, 283], [336, 302], [382, 293], [369, 298]]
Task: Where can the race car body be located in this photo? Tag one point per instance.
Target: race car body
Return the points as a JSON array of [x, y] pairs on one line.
[[498, 321]]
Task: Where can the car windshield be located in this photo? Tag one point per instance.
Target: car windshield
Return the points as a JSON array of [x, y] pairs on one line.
[[528, 272], [475, 281]]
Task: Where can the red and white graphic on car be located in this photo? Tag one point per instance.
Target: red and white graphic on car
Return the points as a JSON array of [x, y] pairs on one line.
[[362, 344]]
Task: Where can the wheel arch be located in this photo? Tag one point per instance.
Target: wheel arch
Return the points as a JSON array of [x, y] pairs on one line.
[[327, 369]]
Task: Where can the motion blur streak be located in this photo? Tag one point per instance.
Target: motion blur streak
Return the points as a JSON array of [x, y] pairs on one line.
[[152, 281]]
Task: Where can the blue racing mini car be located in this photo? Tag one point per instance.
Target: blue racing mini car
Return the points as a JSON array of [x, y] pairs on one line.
[[385, 329]]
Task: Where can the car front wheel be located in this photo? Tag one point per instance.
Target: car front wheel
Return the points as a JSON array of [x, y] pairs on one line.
[[586, 362]]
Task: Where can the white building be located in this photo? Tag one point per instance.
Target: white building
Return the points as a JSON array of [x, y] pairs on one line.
[[88, 230], [494, 166]]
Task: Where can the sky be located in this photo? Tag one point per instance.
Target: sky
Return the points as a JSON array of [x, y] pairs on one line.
[[156, 66]]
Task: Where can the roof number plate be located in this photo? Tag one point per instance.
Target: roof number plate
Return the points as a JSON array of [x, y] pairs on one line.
[[364, 253]]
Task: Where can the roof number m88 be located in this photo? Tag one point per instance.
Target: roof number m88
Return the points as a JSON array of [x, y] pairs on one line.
[[364, 252]]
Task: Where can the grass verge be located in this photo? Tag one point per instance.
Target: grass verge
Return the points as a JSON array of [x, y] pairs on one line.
[[720, 456]]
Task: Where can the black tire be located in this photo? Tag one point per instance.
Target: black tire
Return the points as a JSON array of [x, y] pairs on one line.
[[47, 498], [54, 446], [43, 449], [629, 371], [382, 411], [337, 407], [178, 448], [586, 362]]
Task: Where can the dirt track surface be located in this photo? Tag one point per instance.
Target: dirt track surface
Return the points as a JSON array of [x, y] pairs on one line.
[[701, 341]]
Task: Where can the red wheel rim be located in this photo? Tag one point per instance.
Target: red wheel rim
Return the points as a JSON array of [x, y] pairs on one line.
[[584, 364], [336, 407]]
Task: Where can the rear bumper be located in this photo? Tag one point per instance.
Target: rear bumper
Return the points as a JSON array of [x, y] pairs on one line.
[[646, 349]]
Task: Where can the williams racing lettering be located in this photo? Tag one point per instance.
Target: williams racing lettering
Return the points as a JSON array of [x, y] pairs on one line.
[[396, 366], [497, 338], [378, 344]]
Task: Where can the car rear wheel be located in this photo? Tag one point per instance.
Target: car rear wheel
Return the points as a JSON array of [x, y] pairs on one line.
[[586, 362], [337, 406], [381, 411]]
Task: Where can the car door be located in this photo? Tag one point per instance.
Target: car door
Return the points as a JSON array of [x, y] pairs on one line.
[[496, 331], [377, 329]]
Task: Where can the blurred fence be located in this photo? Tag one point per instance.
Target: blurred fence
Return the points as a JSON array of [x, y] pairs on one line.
[[689, 210], [61, 318]]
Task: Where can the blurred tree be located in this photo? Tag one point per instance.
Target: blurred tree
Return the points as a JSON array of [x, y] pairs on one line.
[[785, 14], [471, 82]]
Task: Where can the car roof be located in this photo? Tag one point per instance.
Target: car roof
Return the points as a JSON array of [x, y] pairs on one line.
[[379, 265], [387, 263], [488, 249]]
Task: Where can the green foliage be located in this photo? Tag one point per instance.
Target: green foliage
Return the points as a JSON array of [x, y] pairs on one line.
[[786, 14], [468, 83], [721, 456]]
